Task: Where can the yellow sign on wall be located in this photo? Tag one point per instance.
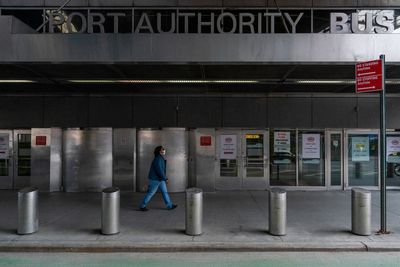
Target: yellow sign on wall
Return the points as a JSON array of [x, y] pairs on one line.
[[252, 136]]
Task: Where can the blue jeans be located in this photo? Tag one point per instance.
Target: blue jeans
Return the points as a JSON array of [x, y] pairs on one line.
[[153, 186]]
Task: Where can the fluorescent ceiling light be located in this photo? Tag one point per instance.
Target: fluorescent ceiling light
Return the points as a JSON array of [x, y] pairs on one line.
[[163, 81], [322, 81], [17, 81]]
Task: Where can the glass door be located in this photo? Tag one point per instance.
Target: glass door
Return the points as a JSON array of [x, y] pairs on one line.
[[334, 146], [229, 165], [283, 169], [311, 156], [255, 160], [22, 158], [393, 159], [6, 171], [362, 158]]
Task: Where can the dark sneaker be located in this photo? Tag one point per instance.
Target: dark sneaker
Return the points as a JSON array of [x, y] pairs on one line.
[[173, 207], [144, 209]]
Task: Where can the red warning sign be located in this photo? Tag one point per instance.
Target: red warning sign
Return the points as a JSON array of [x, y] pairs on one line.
[[369, 76]]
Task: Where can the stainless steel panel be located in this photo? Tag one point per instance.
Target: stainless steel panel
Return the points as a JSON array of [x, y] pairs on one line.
[[205, 160], [56, 159], [147, 140], [6, 161], [87, 159], [40, 159], [195, 47], [176, 143], [192, 159], [22, 158], [124, 157], [46, 159]]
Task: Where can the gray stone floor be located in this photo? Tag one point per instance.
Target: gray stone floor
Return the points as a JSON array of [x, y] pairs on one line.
[[232, 219]]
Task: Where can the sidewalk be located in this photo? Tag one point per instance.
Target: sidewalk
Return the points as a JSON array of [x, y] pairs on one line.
[[233, 221]]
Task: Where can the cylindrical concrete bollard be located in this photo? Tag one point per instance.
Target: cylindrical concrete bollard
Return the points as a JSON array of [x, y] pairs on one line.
[[360, 211], [28, 220], [277, 211], [110, 211], [194, 211]]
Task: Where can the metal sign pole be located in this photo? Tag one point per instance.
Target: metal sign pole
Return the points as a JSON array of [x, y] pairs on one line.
[[383, 150]]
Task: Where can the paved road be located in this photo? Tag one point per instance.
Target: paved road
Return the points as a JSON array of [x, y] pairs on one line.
[[277, 259]]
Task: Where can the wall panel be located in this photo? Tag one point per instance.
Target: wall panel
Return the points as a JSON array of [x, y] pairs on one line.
[[200, 112], [244, 112], [289, 112], [334, 112]]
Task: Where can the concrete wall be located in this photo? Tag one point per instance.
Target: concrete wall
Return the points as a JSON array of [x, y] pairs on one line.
[[304, 111]]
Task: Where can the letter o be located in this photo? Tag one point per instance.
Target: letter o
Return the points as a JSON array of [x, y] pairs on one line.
[[83, 20], [221, 17]]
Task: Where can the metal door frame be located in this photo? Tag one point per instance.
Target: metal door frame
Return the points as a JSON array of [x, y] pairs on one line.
[[390, 132], [228, 182], [272, 130], [346, 156], [10, 183], [264, 183], [328, 166], [310, 188], [25, 180]]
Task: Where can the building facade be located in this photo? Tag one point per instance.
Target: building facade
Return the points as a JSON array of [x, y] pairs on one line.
[[243, 94]]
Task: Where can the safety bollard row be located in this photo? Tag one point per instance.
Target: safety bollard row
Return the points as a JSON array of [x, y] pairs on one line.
[[28, 219]]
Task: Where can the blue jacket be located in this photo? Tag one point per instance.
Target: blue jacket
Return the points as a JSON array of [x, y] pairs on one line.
[[158, 169]]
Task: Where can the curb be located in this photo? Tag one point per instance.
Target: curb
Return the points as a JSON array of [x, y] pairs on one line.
[[196, 247]]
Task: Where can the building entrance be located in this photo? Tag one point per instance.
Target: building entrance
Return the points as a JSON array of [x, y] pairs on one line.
[[362, 158], [242, 159], [15, 159]]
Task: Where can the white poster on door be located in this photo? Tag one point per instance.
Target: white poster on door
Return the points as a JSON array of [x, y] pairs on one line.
[[393, 149], [4, 145], [282, 142], [359, 149], [228, 147], [311, 146]]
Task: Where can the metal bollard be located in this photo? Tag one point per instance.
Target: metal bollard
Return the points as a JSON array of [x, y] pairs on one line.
[[110, 211], [360, 211], [194, 211], [277, 211], [28, 220]]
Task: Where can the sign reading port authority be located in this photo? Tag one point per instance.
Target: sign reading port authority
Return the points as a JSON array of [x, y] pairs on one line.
[[369, 76]]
